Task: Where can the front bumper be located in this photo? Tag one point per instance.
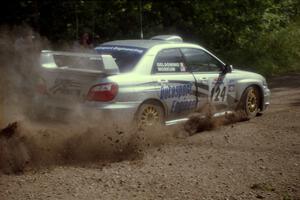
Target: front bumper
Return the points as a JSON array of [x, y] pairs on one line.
[[266, 99]]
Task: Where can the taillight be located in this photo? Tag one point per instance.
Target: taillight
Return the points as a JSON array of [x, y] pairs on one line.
[[103, 92]]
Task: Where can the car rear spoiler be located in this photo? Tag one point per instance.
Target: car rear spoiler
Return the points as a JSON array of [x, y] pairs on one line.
[[107, 63]]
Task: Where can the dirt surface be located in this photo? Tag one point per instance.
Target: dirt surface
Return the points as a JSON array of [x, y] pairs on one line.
[[256, 159]]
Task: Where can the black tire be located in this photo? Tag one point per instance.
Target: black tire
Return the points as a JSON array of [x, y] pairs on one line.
[[150, 114], [249, 105]]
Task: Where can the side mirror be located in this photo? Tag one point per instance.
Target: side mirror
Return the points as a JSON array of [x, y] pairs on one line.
[[227, 69]]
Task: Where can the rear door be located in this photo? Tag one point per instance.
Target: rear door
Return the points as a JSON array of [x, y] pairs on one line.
[[212, 84], [176, 83]]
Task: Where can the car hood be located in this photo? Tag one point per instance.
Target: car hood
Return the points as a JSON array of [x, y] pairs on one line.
[[248, 74], [244, 71]]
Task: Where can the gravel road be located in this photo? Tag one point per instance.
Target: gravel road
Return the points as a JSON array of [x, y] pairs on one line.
[[256, 159]]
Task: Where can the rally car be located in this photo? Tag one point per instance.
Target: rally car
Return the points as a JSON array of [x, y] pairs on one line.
[[159, 80]]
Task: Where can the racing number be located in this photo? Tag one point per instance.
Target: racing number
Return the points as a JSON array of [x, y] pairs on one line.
[[218, 94]]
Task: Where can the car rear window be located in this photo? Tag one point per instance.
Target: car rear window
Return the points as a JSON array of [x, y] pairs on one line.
[[125, 57]]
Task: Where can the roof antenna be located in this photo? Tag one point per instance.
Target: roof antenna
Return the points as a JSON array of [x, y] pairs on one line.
[[141, 18]]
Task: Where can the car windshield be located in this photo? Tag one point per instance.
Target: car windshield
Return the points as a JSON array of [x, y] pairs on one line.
[[125, 57]]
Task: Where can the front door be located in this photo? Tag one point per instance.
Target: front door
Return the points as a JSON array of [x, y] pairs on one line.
[[212, 83]]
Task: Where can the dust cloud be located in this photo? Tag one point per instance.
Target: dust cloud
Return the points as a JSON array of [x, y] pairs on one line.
[[19, 63]]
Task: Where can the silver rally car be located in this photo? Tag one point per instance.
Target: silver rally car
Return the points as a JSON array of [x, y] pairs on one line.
[[160, 80]]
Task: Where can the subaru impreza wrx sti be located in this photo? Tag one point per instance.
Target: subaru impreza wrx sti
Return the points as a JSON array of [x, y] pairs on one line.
[[160, 80]]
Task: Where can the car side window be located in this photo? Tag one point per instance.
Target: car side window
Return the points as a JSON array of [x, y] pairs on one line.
[[201, 61], [169, 61]]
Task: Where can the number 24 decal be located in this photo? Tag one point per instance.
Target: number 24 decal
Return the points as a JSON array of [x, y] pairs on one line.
[[218, 94]]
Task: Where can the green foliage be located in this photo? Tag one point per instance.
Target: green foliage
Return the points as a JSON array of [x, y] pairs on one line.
[[273, 53]]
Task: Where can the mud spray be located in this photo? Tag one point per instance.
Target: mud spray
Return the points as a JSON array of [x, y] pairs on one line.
[[203, 119], [26, 144]]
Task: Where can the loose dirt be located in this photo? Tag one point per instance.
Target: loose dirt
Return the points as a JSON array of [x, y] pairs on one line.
[[256, 159]]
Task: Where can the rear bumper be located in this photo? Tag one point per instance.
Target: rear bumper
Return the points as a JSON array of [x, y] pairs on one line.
[[115, 113], [94, 112]]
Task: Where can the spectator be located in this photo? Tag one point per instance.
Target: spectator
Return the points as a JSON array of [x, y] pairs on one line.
[[86, 41]]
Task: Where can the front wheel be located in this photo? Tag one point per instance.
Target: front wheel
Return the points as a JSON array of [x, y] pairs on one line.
[[150, 114], [249, 104]]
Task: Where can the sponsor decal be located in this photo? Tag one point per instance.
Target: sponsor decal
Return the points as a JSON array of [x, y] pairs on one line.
[[179, 106], [176, 91], [119, 48], [167, 67], [65, 86], [167, 64]]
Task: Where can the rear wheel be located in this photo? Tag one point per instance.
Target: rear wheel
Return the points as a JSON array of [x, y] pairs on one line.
[[150, 114], [250, 102]]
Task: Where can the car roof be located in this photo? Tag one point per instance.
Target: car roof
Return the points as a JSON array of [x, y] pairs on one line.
[[139, 43]]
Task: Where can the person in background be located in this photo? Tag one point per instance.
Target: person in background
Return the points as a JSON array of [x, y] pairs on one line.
[[86, 41]]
